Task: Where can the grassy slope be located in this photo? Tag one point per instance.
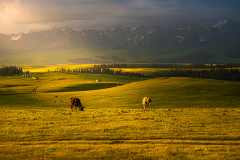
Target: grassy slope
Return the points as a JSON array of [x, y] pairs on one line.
[[188, 118], [165, 92], [45, 57], [218, 49]]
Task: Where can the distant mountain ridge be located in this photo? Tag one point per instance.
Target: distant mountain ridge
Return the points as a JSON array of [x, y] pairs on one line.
[[181, 35]]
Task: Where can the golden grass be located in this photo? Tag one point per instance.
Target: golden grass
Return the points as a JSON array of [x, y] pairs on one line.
[[46, 68], [162, 149], [112, 133], [189, 118]]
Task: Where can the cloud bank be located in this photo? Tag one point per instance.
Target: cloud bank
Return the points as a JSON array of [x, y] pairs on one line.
[[22, 15]]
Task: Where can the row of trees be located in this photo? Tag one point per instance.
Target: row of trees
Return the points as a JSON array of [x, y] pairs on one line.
[[214, 73], [106, 71], [148, 65], [10, 71], [219, 73], [157, 65], [226, 65]]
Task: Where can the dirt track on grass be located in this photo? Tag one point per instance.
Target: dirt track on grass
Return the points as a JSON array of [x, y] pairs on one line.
[[119, 142]]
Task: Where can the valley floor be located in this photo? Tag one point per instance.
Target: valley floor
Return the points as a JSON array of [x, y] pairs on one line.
[[122, 149], [120, 134]]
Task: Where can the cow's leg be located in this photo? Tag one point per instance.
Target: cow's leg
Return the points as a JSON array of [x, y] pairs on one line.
[[144, 106], [71, 107], [76, 108]]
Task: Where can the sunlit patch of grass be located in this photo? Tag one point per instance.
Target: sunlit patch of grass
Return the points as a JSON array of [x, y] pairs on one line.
[[57, 67]]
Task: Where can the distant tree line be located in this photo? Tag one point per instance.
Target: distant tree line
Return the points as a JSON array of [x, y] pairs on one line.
[[147, 65], [226, 65], [158, 65], [104, 71], [214, 73], [10, 71], [218, 73]]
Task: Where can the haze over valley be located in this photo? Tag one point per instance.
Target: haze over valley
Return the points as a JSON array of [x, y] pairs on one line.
[[134, 39]]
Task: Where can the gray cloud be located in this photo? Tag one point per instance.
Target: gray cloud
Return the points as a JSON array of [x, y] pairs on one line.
[[105, 14]]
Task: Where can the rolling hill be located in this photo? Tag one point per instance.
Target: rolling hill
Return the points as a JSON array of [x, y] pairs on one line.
[[182, 43], [227, 52]]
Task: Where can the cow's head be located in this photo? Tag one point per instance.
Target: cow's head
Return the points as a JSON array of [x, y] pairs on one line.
[[71, 100], [149, 99], [81, 108]]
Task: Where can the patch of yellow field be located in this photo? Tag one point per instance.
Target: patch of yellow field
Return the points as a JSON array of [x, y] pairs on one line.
[[46, 68]]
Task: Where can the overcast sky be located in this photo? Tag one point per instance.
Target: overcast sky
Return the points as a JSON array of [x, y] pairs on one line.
[[22, 15]]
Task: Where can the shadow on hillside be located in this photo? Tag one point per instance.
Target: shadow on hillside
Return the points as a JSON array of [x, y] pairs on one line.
[[85, 87], [193, 58]]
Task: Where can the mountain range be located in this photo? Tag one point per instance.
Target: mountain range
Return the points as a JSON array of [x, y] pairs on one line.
[[139, 37]]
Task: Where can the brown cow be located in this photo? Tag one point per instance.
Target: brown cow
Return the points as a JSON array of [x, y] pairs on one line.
[[75, 102], [146, 101]]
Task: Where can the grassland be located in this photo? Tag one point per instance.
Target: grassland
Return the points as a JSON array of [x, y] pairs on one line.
[[189, 118], [154, 71], [146, 71], [56, 67], [43, 56]]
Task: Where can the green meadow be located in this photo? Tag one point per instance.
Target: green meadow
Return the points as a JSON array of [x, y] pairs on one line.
[[189, 118], [46, 56]]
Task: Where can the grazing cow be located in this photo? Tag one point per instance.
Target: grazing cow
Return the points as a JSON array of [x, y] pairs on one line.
[[75, 102], [146, 101]]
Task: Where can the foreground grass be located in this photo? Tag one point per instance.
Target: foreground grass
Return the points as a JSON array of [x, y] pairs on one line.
[[123, 150], [115, 124], [188, 119], [132, 133]]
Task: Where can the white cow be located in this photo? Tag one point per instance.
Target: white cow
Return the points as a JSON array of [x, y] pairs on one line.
[[146, 101]]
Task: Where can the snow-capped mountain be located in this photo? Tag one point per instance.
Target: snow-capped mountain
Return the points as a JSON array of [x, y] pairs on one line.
[[66, 37], [185, 35], [227, 23], [125, 37]]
